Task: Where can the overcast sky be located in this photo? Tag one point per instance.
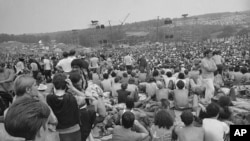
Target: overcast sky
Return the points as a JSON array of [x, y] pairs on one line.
[[36, 16]]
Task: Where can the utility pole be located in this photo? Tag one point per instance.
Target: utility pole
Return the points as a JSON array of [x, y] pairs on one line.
[[157, 29], [184, 26], [111, 32]]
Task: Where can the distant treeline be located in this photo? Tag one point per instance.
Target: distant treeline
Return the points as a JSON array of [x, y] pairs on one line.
[[24, 38], [93, 37]]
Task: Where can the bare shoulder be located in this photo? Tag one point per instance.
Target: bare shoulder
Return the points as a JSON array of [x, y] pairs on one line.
[[199, 129]]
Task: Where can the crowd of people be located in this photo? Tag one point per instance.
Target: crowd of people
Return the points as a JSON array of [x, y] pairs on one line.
[[156, 92]]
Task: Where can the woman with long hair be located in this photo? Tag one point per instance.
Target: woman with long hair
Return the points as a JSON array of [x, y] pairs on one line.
[[163, 127]]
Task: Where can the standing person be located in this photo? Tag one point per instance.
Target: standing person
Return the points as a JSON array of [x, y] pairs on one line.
[[109, 62], [54, 62], [64, 65], [208, 67], [218, 61], [72, 54], [6, 78], [85, 65], [142, 63], [20, 66], [47, 67], [94, 62], [34, 68], [128, 60]]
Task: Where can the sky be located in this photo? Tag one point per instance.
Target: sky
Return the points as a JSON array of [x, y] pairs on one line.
[[42, 16]]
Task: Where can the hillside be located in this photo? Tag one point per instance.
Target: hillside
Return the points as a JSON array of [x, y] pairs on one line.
[[198, 27]]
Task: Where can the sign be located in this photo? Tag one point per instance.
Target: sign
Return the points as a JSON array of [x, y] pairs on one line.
[[239, 132]]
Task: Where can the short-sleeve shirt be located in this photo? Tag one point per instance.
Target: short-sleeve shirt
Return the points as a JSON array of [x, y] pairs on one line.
[[47, 64], [214, 129], [65, 64], [128, 60]]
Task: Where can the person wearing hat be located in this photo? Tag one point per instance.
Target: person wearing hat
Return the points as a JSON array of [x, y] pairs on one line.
[[208, 67]]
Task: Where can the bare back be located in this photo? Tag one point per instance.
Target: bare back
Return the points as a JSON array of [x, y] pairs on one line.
[[190, 133]]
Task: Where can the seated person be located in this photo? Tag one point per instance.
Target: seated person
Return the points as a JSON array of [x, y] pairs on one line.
[[124, 132], [133, 89], [116, 86], [87, 118], [123, 93], [181, 100], [162, 127], [27, 118], [106, 84], [161, 93], [214, 129], [164, 104], [225, 113], [189, 132], [130, 107], [151, 89], [95, 94]]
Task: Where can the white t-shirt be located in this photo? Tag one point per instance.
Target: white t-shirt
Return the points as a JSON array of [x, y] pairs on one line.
[[65, 64], [94, 62], [217, 59], [128, 60], [47, 64], [214, 129]]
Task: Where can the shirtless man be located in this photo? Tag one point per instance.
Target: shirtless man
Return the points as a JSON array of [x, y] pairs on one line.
[[181, 100], [161, 93], [99, 106], [189, 132]]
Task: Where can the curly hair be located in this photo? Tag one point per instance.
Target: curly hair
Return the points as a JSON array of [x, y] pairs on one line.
[[163, 119]]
